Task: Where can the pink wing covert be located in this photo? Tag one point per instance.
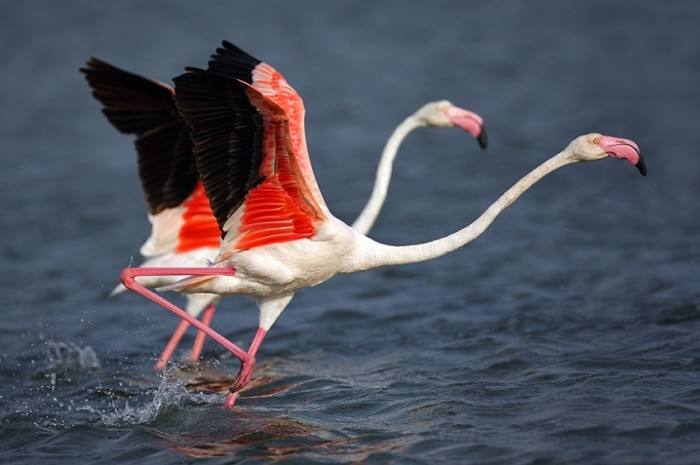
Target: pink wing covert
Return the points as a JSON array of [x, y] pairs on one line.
[[272, 85], [247, 125]]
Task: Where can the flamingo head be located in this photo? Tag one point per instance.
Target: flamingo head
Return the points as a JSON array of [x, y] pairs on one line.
[[597, 146], [443, 114]]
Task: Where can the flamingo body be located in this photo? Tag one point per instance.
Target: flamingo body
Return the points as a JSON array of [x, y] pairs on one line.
[[286, 266]]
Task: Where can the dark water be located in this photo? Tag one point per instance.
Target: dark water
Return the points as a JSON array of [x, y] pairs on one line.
[[568, 333]]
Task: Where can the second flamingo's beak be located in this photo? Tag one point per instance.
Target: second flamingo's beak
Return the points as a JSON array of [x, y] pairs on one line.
[[470, 122], [641, 166], [626, 149]]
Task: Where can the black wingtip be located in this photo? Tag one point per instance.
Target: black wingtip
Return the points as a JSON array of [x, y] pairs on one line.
[[641, 165], [87, 67], [91, 65], [194, 70], [233, 62], [482, 139], [94, 64]]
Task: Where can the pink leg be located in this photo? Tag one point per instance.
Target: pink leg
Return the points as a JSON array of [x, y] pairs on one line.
[[201, 337], [172, 344], [128, 278], [246, 372]]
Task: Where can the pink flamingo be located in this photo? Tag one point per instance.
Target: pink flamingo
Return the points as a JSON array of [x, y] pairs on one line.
[[246, 124], [184, 231]]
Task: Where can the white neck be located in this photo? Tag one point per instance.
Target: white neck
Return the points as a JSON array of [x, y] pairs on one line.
[[373, 254], [369, 214]]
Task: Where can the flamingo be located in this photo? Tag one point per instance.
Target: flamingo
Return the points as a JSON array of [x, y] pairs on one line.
[[247, 127], [184, 231], [440, 114]]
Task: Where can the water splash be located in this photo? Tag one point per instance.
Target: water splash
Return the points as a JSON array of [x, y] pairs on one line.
[[69, 357], [65, 360], [168, 396]]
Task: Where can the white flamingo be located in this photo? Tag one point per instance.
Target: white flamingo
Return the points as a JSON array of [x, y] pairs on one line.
[[247, 127], [184, 231], [440, 114]]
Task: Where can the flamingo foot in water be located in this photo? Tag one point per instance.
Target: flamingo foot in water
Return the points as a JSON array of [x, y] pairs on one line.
[[246, 371]]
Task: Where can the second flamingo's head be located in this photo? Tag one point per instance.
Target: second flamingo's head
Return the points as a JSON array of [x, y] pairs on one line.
[[595, 146], [443, 114]]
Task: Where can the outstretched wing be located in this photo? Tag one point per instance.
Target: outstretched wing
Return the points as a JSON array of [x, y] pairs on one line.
[[146, 108], [178, 210], [247, 127]]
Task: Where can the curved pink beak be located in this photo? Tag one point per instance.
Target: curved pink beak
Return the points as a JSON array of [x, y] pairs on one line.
[[626, 149], [468, 121]]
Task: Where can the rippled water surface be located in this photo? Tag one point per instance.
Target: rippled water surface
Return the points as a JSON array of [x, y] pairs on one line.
[[567, 333]]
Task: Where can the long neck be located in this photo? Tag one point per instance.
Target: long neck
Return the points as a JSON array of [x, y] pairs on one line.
[[375, 254], [369, 214]]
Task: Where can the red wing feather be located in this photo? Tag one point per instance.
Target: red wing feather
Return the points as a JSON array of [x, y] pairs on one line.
[[276, 91], [270, 216], [282, 156], [199, 228]]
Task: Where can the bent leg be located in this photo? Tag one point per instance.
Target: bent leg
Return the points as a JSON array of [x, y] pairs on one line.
[[269, 312], [128, 278], [270, 309]]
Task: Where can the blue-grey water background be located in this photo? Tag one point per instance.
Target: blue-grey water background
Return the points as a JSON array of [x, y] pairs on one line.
[[568, 333]]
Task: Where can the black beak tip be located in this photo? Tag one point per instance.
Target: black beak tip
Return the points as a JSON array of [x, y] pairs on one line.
[[641, 166], [482, 139]]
